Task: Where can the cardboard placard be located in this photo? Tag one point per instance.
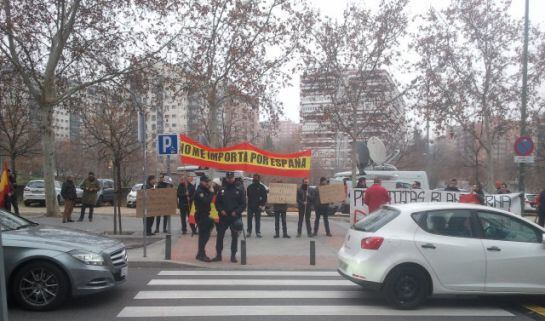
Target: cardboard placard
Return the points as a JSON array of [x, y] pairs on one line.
[[280, 193], [333, 193], [160, 202]]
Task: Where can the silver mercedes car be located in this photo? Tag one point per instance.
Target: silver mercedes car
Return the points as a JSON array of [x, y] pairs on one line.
[[47, 264]]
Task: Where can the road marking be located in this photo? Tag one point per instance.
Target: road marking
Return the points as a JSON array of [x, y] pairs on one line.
[[249, 273], [300, 310], [260, 294], [536, 309], [240, 282]]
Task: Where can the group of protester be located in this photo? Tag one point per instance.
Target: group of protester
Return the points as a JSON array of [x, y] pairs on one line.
[[90, 187]]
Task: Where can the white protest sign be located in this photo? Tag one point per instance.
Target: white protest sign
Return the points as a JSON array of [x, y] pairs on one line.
[[358, 209], [280, 193]]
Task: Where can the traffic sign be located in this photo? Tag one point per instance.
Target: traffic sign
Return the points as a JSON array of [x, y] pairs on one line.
[[167, 144], [524, 146], [525, 159]]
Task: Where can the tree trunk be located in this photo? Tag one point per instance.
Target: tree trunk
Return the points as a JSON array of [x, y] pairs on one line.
[[12, 159], [490, 169], [48, 146], [114, 175]]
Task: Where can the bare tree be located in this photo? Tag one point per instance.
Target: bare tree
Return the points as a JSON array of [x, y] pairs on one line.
[[16, 124], [228, 53], [469, 69], [110, 124], [346, 62], [60, 47]]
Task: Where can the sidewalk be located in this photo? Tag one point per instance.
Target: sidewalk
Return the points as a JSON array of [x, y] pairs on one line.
[[264, 253]]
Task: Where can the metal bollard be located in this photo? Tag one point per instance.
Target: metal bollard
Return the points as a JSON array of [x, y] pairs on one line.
[[312, 252], [168, 241], [243, 252]]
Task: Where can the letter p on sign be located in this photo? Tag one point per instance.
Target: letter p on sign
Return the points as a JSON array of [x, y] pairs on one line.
[[167, 144]]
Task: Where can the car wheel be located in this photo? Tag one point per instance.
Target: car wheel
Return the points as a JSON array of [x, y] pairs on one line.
[[40, 286], [406, 287]]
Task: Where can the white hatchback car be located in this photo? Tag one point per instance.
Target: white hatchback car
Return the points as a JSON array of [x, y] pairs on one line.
[[412, 251]]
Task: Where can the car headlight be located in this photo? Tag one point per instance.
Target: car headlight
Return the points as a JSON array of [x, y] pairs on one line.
[[89, 258]]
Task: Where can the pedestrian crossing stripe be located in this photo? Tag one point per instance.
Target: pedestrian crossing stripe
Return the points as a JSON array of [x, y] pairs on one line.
[[251, 282], [303, 310], [147, 307], [250, 273], [241, 294]]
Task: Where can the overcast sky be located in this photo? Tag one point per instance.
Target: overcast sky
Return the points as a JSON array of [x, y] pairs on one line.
[[334, 8]]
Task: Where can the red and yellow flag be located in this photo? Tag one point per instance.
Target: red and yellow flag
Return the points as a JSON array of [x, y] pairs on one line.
[[4, 184], [245, 157]]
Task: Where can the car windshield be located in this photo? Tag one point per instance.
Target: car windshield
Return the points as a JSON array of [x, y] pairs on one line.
[[10, 222], [376, 220]]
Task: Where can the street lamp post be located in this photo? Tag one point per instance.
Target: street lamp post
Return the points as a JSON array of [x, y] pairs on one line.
[[524, 97]]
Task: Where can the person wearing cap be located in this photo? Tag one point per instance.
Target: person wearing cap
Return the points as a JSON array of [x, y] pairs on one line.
[[162, 184], [90, 187], [376, 196], [230, 203], [257, 198], [203, 199], [321, 210], [185, 193]]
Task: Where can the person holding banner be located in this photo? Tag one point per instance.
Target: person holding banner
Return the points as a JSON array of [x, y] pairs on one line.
[[280, 213], [150, 184], [257, 198], [321, 210], [162, 184], [230, 203], [185, 193], [203, 200], [305, 199]]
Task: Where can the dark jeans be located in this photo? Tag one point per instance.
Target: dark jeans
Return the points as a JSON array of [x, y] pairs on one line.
[[541, 218], [304, 214], [12, 201], [158, 223], [184, 215], [257, 213], [205, 228], [321, 212], [225, 223], [149, 224], [91, 210], [277, 216]]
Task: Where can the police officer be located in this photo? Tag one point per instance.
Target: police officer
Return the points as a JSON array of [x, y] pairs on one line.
[[203, 197], [257, 198], [230, 203]]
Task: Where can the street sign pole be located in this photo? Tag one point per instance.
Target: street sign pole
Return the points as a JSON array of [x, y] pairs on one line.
[[3, 293], [524, 97]]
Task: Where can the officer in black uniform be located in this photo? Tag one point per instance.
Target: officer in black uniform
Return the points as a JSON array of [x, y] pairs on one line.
[[230, 203], [203, 198]]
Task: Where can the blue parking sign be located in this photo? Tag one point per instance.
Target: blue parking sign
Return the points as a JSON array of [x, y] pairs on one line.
[[167, 144]]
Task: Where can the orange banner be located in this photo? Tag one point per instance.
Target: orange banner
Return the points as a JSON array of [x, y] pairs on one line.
[[245, 157]]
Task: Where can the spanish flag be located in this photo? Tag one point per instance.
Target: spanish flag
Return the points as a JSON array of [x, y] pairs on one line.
[[4, 185]]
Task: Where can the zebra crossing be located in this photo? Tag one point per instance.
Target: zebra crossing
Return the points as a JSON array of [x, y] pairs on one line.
[[255, 295]]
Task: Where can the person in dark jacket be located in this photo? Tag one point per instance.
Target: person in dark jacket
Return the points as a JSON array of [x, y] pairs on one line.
[[321, 210], [257, 198], [452, 186], [305, 199], [230, 203], [478, 190], [280, 213], [185, 193], [203, 198], [162, 184], [150, 184], [11, 199], [362, 183], [68, 193]]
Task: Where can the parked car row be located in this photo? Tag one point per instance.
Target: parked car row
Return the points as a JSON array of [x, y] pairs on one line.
[[34, 192]]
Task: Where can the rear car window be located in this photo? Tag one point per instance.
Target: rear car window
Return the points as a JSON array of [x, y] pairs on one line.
[[376, 220], [36, 184]]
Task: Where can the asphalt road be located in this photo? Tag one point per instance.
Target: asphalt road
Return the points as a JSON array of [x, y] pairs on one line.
[[169, 294]]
